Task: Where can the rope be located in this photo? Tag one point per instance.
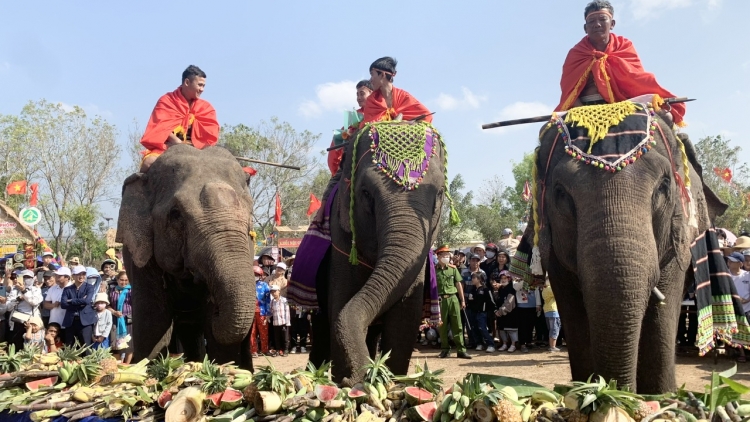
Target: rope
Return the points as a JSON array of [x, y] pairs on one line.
[[347, 255], [454, 219]]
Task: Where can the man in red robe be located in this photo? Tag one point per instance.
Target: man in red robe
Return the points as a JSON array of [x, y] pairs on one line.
[[180, 117], [605, 68], [388, 102]]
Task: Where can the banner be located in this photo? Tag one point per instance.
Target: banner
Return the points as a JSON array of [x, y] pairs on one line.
[[290, 242]]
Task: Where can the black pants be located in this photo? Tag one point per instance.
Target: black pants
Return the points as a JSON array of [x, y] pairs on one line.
[[281, 338], [526, 320], [79, 332], [540, 328], [300, 327]]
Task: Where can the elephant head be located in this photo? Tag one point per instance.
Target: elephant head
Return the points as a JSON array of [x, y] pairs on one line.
[[188, 219], [608, 238], [387, 222]]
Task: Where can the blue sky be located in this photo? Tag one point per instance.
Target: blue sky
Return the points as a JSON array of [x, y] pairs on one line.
[[472, 62]]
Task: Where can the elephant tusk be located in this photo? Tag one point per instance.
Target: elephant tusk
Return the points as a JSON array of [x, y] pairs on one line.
[[659, 295]]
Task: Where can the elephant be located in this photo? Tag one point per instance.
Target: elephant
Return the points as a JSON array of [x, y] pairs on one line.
[[184, 226], [395, 229], [607, 238]]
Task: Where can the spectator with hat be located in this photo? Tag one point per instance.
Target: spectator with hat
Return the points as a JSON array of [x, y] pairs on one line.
[[53, 300], [34, 336], [452, 301], [506, 313], [48, 280], [281, 321], [459, 260], [46, 264], [109, 274], [741, 279], [479, 249], [24, 298], [111, 254], [746, 254], [259, 329], [74, 262], [80, 316], [508, 242], [266, 262], [103, 325], [278, 278]]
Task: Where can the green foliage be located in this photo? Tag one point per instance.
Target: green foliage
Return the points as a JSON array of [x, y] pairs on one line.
[[717, 152], [462, 202]]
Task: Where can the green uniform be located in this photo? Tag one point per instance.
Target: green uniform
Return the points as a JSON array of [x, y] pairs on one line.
[[450, 307]]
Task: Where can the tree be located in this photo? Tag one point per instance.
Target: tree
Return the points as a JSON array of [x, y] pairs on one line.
[[134, 147], [76, 159], [715, 152], [89, 242], [514, 194], [494, 212], [276, 141], [462, 202]]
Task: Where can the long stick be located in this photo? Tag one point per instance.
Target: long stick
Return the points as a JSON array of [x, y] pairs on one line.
[[29, 374], [539, 119], [268, 163]]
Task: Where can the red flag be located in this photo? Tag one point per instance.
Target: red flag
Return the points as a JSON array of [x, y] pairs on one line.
[[277, 215], [314, 205], [526, 195], [34, 194], [726, 174], [249, 170], [17, 188]]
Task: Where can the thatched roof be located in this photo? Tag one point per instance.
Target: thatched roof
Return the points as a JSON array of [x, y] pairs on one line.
[[12, 230], [111, 233]]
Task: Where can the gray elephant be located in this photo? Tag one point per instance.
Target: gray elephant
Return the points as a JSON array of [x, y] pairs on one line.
[[184, 227], [378, 215], [615, 222]]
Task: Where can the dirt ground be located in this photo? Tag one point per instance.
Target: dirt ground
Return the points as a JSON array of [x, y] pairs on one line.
[[539, 366]]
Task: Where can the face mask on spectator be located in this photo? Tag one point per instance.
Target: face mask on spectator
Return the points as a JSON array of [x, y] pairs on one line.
[[445, 260], [28, 282], [489, 254]]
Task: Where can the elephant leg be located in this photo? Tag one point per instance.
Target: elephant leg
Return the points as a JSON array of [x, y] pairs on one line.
[[347, 324], [573, 316], [321, 325], [656, 354], [398, 338], [153, 314]]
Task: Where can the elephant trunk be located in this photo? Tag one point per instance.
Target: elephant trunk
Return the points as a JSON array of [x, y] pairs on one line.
[[618, 267], [226, 263]]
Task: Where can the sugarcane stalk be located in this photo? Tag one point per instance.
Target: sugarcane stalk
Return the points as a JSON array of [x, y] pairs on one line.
[[77, 408], [29, 374], [41, 406], [268, 418], [396, 416], [732, 413], [298, 401], [81, 414], [722, 413]]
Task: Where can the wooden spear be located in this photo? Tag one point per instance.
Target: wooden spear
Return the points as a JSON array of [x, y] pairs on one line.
[[539, 119], [268, 163]]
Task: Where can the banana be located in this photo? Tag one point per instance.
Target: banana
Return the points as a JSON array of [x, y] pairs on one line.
[[445, 417], [371, 390], [64, 374], [73, 378], [382, 393], [544, 396], [445, 405], [452, 408], [460, 415], [123, 377], [438, 413], [526, 412], [456, 395], [465, 401], [743, 410], [241, 383]]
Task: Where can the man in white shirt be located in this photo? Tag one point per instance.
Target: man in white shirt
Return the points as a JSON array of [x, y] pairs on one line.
[[25, 298], [741, 279], [54, 296]]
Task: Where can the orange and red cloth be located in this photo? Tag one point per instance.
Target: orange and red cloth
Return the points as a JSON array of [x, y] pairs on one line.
[[173, 114], [617, 72]]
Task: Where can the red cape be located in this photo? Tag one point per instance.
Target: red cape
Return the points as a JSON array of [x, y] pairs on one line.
[[172, 110], [617, 71], [403, 103]]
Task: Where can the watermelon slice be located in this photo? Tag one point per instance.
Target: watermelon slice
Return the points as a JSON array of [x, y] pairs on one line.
[[422, 413], [326, 392], [230, 399], [44, 382], [358, 393], [416, 395], [165, 398], [214, 399]]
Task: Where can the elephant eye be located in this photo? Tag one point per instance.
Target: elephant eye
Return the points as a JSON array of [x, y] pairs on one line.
[[564, 203], [663, 193], [175, 214]]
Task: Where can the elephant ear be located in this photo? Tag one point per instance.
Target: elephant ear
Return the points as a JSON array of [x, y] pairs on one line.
[[716, 206], [134, 225]]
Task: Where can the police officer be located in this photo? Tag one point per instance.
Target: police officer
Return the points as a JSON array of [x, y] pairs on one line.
[[451, 294]]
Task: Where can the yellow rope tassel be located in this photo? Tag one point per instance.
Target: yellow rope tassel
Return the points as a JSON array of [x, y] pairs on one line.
[[536, 258], [692, 219], [597, 119]]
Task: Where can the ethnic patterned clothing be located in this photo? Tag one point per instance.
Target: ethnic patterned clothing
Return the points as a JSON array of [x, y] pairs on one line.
[[127, 307], [263, 293]]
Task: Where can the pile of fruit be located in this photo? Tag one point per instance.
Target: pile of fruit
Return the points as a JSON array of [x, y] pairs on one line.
[[76, 383]]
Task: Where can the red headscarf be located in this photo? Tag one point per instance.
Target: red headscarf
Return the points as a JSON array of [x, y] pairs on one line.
[[403, 103], [617, 71], [173, 111]]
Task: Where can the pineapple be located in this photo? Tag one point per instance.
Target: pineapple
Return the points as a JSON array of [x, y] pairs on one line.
[[214, 381], [376, 372], [506, 411], [268, 378], [161, 368], [641, 411], [72, 353], [592, 401], [423, 378], [109, 366], [10, 362]]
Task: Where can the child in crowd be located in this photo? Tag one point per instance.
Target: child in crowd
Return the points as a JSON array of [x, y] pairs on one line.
[[34, 336], [281, 321], [507, 313], [552, 316], [53, 338], [103, 325], [480, 302]]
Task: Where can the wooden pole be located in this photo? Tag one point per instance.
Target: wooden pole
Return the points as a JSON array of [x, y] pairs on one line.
[[268, 163], [539, 119]]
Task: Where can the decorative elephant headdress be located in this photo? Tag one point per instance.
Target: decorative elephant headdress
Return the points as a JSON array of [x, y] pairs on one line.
[[402, 151]]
